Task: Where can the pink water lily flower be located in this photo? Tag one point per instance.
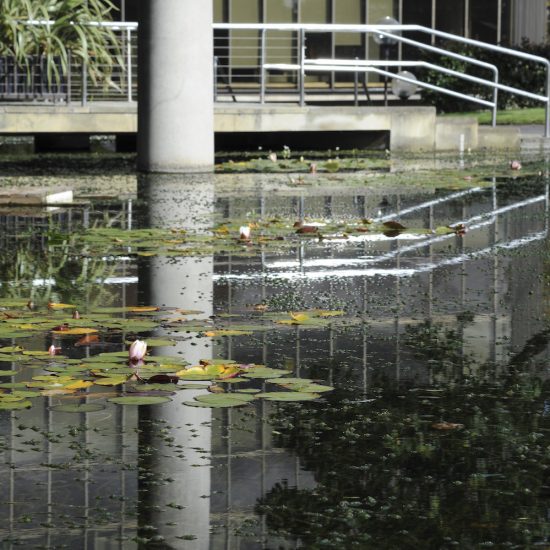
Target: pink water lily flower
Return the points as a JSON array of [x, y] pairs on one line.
[[137, 350]]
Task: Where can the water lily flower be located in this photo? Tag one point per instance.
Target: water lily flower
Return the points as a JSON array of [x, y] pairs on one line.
[[137, 350], [52, 350], [244, 232], [515, 165]]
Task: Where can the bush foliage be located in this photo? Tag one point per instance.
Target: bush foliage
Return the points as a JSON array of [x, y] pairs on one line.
[[513, 71], [68, 34]]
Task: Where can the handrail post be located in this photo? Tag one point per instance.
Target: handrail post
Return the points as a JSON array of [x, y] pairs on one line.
[[356, 85], [262, 70], [547, 125], [129, 64], [69, 77], [215, 65], [495, 99], [84, 99], [302, 53]]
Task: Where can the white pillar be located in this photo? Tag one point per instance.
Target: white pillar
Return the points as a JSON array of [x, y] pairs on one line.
[[175, 86]]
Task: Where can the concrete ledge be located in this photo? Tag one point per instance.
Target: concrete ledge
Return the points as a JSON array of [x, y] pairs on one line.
[[410, 128], [501, 137], [448, 132], [35, 197]]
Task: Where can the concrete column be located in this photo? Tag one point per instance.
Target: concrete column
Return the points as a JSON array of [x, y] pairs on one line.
[[175, 76]]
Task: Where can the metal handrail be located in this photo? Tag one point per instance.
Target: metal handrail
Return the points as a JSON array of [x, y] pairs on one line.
[[390, 30]]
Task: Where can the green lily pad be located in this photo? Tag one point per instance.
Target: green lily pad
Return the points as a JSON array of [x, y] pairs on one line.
[[139, 400], [25, 393], [249, 390], [78, 408], [289, 380], [8, 372], [13, 405], [223, 399], [11, 349], [235, 380], [68, 370], [12, 385], [13, 302], [287, 396], [193, 386], [305, 387], [111, 381], [151, 387], [265, 372]]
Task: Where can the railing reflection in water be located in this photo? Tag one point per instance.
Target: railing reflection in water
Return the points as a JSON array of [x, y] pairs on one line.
[[230, 458]]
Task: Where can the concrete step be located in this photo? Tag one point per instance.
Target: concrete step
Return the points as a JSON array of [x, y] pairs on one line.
[[534, 143]]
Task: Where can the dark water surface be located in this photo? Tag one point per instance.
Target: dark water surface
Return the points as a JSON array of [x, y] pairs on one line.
[[437, 434]]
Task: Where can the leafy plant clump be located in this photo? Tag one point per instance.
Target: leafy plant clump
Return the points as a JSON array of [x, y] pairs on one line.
[[43, 36], [124, 377]]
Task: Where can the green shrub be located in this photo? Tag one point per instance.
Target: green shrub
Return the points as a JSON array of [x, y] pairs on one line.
[[513, 71], [69, 34]]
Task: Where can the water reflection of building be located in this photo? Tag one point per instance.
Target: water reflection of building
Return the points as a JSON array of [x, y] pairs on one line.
[[491, 274]]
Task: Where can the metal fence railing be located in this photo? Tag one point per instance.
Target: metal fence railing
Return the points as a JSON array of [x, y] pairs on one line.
[[262, 62], [29, 81], [303, 60]]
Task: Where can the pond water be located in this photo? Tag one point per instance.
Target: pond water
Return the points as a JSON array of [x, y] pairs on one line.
[[422, 350]]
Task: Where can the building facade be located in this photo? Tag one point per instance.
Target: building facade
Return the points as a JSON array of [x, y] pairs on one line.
[[505, 22]]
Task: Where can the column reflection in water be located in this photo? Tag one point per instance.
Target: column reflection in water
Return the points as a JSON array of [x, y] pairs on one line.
[[182, 201]]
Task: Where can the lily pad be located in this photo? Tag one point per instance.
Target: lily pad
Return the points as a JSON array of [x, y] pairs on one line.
[[287, 396], [265, 372], [13, 405], [193, 386], [111, 381], [78, 408], [223, 400], [139, 400], [8, 372]]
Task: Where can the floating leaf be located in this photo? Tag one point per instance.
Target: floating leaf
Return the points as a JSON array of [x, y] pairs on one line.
[[225, 332], [265, 372], [13, 405], [75, 330], [301, 385], [78, 408], [282, 381], [140, 400], [79, 385], [54, 305], [287, 396], [11, 349], [192, 386], [111, 381], [326, 313], [151, 387], [25, 393], [8, 372], [224, 399]]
